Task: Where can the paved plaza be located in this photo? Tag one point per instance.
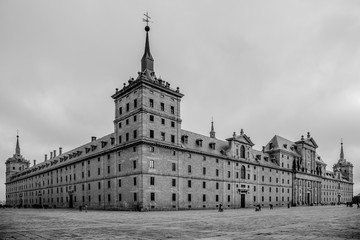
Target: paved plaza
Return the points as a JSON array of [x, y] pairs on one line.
[[321, 222]]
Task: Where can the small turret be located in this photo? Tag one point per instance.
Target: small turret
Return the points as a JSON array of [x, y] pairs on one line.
[[212, 132]]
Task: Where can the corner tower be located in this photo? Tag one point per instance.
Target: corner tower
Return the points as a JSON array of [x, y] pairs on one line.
[[147, 108], [345, 167], [16, 163]]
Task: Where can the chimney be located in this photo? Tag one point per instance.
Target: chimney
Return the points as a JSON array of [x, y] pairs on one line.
[[54, 153], [51, 155], [308, 135], [60, 150], [93, 139], [263, 148], [45, 157], [35, 162]]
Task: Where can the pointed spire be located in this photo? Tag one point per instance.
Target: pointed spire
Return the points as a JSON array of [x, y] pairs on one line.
[[17, 149], [342, 151], [147, 61], [212, 132]]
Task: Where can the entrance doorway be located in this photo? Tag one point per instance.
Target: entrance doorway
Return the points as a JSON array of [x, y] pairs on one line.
[[71, 204], [242, 203], [308, 198]]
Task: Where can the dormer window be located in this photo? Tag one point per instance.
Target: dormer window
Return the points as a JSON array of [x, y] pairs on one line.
[[270, 146], [212, 145], [266, 159], [112, 141], [285, 146], [93, 147], [87, 150], [184, 139], [103, 144], [199, 142]]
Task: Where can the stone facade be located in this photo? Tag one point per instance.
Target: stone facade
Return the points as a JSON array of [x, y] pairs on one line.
[[149, 162]]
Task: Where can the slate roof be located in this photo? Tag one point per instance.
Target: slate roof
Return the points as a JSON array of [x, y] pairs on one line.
[[280, 143]]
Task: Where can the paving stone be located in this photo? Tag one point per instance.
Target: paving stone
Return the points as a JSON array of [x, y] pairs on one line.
[[321, 222]]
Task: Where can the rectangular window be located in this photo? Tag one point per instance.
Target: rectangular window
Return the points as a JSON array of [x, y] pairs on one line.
[[237, 174], [134, 164], [119, 124], [254, 188], [109, 184], [89, 173], [127, 121], [217, 185], [135, 197], [228, 198], [120, 197], [135, 103], [151, 103], [229, 186], [254, 177], [99, 197], [134, 118], [89, 186], [204, 197], [189, 197], [173, 138], [134, 181], [119, 139], [204, 170], [189, 183], [152, 196], [173, 197], [189, 168], [108, 169], [172, 124], [151, 118], [119, 182], [162, 136], [99, 171], [173, 182], [119, 167], [173, 167], [151, 163], [127, 107], [263, 178], [152, 181], [229, 174], [151, 133], [162, 106], [217, 172], [127, 137], [163, 121], [135, 134], [172, 110], [120, 110], [248, 176]]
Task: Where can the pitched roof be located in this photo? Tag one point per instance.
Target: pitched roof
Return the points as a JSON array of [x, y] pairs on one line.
[[280, 143]]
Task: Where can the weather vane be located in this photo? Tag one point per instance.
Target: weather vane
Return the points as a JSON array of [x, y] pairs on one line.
[[147, 19]]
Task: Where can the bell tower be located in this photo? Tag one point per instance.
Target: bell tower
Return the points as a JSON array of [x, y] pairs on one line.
[[16, 163]]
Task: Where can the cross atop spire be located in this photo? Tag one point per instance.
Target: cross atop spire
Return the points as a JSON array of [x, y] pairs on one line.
[[17, 149], [147, 61]]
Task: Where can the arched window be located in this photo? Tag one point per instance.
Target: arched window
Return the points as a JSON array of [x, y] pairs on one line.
[[242, 172], [242, 151]]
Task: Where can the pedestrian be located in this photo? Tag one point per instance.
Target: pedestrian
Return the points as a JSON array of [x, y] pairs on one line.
[[220, 208]]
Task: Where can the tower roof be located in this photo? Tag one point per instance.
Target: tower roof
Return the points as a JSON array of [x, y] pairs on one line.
[[17, 149], [147, 61], [341, 151]]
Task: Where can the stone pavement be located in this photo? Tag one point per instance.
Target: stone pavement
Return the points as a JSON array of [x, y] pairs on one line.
[[321, 222]]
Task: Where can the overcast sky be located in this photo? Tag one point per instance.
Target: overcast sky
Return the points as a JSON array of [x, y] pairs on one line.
[[269, 67]]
